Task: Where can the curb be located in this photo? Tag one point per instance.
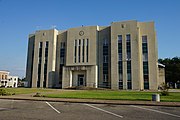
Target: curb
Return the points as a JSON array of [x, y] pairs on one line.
[[95, 101]]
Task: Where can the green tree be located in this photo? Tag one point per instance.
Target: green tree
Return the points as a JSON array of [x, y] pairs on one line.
[[172, 69]]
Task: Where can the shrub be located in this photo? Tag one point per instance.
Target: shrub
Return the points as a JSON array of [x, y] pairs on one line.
[[37, 95], [164, 93], [3, 92], [164, 89]]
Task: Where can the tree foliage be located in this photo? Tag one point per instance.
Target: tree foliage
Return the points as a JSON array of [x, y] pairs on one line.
[[172, 69]]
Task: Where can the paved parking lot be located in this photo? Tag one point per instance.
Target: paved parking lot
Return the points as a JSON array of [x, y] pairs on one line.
[[41, 110]]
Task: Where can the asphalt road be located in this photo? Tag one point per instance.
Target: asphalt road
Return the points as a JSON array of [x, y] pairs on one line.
[[40, 110]]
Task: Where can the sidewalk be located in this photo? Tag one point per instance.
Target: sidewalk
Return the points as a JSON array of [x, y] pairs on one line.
[[91, 101]]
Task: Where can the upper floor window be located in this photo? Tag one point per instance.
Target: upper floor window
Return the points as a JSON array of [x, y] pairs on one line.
[[62, 45], [119, 38], [105, 42], [145, 57], [47, 44], [75, 43], [105, 59], [40, 44], [120, 56], [79, 42], [128, 38], [144, 39], [62, 60], [128, 56]]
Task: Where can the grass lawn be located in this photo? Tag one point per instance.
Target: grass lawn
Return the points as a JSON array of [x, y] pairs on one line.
[[96, 94], [114, 95], [26, 90]]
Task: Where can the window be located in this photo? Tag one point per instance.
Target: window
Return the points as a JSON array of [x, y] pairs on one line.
[[44, 34], [129, 85], [79, 51], [120, 56], [146, 81], [120, 77], [128, 56], [128, 38], [145, 61], [144, 39], [40, 45], [105, 78], [120, 63], [122, 25], [128, 66], [75, 48], [47, 44], [46, 49], [87, 42], [105, 42], [62, 45], [83, 50], [119, 38], [105, 59], [62, 60], [75, 43], [40, 49], [145, 68], [79, 42], [145, 57]]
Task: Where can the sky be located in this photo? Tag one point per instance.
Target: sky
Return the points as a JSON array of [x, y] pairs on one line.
[[19, 18]]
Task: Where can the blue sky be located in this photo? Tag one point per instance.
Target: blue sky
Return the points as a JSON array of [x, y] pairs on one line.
[[18, 18]]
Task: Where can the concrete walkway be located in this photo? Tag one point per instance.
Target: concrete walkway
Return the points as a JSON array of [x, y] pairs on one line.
[[92, 101]]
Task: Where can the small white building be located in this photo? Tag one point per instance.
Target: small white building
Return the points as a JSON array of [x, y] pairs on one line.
[[8, 81]]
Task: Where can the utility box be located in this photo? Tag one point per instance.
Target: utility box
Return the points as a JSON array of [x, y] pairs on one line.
[[156, 97]]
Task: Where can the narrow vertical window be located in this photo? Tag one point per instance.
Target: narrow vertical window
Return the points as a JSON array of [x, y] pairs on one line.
[[75, 50], [62, 60], [46, 63], [145, 62], [87, 42], [105, 63], [120, 63], [39, 63], [83, 50], [128, 58], [79, 51], [62, 53]]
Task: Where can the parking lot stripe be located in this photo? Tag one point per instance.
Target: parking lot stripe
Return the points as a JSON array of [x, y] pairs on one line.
[[53, 107], [104, 111], [156, 111]]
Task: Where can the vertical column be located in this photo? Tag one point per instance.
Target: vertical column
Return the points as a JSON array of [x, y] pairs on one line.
[[124, 63], [70, 78]]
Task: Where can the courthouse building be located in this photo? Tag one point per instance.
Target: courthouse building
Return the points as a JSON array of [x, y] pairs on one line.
[[120, 56]]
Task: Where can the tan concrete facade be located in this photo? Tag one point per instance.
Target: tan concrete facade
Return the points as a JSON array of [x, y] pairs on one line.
[[93, 56]]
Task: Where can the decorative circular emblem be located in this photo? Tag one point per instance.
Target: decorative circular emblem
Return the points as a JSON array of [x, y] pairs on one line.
[[81, 33]]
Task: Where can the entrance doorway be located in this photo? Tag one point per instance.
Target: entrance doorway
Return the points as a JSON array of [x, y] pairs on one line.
[[81, 80]]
